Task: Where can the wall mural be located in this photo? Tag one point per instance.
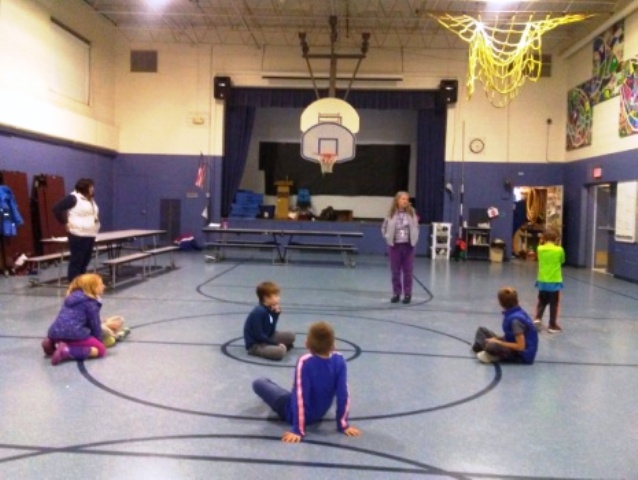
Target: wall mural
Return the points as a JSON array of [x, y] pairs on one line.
[[612, 77], [607, 63], [629, 99], [579, 117]]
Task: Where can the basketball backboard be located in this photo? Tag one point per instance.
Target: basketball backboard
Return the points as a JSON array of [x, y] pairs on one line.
[[330, 110]]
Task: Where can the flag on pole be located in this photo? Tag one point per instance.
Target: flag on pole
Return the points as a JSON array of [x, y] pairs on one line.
[[200, 178]]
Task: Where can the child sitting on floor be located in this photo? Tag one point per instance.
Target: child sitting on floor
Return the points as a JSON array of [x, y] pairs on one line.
[[77, 331], [261, 336], [320, 376], [519, 341]]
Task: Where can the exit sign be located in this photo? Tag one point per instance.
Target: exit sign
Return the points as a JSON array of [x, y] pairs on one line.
[[597, 173]]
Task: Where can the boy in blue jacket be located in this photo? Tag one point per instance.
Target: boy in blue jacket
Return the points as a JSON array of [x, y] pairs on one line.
[[320, 377], [519, 341], [260, 329]]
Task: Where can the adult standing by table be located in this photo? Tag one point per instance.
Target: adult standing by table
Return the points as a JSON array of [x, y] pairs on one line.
[[80, 214], [401, 232]]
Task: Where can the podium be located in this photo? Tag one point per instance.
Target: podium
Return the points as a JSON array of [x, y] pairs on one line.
[[282, 205]]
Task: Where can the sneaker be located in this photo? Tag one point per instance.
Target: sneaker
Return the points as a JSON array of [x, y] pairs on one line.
[[122, 334], [538, 323], [395, 299], [48, 347], [407, 299], [555, 329], [485, 357], [61, 354]]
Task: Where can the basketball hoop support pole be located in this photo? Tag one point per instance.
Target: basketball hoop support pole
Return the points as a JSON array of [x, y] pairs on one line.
[[333, 56]]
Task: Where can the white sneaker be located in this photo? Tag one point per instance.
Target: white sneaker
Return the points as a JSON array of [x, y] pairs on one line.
[[485, 357], [538, 323], [555, 329]]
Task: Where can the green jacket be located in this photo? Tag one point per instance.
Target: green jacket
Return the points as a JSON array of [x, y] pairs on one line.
[[550, 260]]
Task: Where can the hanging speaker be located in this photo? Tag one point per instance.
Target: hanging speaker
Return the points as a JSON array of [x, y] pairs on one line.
[[449, 89], [221, 88]]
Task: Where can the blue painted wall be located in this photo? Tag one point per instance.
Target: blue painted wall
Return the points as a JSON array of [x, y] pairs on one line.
[[484, 188], [616, 167], [129, 184], [36, 156], [141, 181]]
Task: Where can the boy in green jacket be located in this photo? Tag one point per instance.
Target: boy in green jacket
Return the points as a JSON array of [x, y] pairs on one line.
[[549, 282]]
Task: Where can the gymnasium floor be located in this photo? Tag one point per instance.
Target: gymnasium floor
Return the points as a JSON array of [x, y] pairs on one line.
[[174, 400]]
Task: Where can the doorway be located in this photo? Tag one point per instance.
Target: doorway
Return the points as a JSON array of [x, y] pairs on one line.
[[602, 221]]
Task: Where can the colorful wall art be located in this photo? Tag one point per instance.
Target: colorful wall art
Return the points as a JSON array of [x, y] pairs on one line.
[[579, 117], [628, 121], [607, 63]]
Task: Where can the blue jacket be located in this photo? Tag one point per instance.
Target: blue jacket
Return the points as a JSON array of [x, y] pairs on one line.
[[10, 217], [78, 319], [531, 335], [260, 326], [317, 382]]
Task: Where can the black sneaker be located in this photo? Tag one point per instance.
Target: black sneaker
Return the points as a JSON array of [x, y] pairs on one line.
[[394, 299], [407, 299]]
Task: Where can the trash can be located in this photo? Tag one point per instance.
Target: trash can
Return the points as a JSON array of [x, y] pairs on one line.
[[497, 251]]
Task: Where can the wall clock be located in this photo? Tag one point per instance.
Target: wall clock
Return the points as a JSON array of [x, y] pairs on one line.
[[477, 145]]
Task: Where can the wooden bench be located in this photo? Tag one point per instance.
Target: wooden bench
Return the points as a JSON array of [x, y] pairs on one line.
[[346, 250], [114, 263], [219, 247], [155, 252]]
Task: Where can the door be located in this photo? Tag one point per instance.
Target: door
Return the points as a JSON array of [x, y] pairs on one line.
[[603, 228]]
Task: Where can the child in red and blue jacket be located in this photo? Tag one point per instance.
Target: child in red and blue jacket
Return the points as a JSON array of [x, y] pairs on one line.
[[320, 377]]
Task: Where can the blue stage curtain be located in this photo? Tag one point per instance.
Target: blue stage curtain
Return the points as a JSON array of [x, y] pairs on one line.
[[430, 167], [430, 181], [237, 132]]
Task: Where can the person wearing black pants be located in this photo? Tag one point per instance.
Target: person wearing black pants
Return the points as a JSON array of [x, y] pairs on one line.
[[80, 214], [553, 300], [81, 249]]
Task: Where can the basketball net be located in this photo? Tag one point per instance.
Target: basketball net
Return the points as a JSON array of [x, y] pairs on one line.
[[327, 161], [502, 58]]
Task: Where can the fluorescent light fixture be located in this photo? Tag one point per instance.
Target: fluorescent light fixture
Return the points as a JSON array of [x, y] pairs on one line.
[[157, 4]]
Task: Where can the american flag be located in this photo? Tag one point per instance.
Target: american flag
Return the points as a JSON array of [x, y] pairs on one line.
[[200, 178]]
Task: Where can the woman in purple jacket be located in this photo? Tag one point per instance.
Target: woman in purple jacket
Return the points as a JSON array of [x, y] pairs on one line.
[[76, 333]]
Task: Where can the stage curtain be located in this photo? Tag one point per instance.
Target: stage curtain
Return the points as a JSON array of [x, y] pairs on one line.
[[430, 181], [430, 167], [238, 129]]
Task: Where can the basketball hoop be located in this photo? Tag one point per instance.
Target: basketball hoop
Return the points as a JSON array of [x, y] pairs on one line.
[[327, 161]]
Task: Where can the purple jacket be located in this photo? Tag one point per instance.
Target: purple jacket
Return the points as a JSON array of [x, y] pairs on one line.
[[78, 319]]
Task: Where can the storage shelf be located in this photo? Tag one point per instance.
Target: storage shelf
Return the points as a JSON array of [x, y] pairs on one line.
[[440, 245]]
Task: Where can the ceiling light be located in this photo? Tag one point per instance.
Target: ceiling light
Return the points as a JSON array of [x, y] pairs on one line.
[[157, 4]]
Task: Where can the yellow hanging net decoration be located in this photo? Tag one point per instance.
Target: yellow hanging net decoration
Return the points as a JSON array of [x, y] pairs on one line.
[[503, 58]]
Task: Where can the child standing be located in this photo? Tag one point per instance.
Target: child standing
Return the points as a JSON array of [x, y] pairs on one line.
[[401, 232], [260, 329], [549, 282], [320, 376], [519, 341], [76, 332]]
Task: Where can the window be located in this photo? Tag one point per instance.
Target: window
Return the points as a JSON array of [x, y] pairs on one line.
[[71, 75]]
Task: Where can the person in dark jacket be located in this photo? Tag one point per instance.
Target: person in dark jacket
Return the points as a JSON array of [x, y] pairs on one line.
[[519, 342], [79, 213], [260, 329], [77, 331]]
